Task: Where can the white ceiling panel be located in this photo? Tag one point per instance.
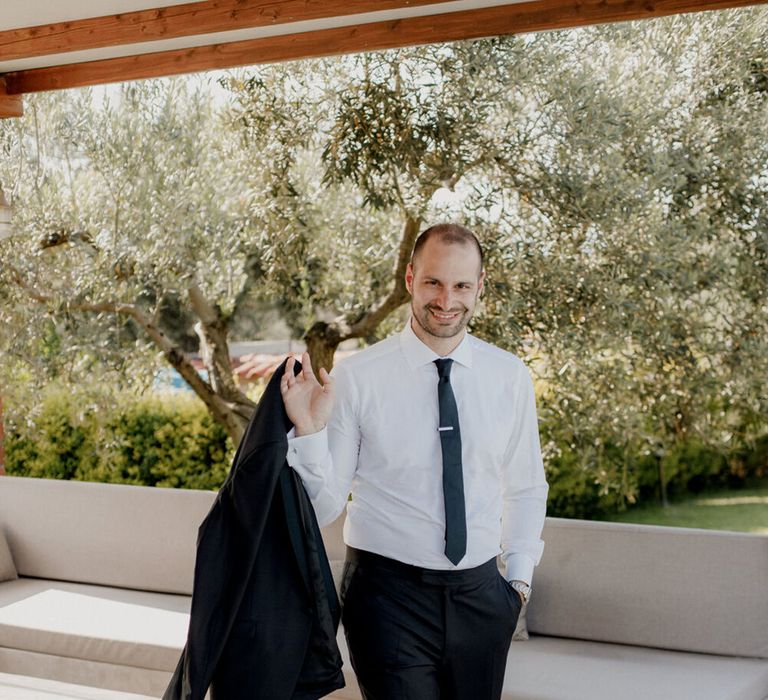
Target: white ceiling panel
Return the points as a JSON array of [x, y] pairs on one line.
[[31, 13]]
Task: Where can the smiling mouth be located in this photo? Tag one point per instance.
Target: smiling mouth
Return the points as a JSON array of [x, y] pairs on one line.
[[445, 316]]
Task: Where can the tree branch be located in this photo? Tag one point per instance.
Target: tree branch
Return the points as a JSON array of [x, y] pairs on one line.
[[212, 331], [399, 294], [173, 353]]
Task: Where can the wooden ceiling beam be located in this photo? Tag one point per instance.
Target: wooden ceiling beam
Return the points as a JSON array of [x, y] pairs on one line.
[[537, 15], [176, 21], [10, 105]]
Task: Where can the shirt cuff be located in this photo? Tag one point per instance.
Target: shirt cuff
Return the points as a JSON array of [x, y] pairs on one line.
[[520, 568], [307, 449]]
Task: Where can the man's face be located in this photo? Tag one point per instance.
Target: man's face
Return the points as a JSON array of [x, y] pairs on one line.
[[445, 282]]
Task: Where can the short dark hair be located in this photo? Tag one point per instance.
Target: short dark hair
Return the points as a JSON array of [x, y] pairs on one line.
[[448, 233]]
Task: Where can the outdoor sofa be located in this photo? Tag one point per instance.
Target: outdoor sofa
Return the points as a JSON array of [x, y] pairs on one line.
[[620, 612]]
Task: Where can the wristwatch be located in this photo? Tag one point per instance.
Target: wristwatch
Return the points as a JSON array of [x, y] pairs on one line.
[[522, 588]]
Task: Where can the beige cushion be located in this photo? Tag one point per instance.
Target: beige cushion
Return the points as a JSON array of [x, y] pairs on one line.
[[7, 568], [64, 669], [674, 588], [29, 688], [521, 629], [113, 534], [566, 669], [110, 625], [333, 539]]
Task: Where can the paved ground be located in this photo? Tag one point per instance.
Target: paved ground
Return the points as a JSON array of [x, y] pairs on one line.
[[26, 688]]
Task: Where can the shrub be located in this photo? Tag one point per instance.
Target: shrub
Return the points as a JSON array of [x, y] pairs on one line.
[[168, 440], [172, 441]]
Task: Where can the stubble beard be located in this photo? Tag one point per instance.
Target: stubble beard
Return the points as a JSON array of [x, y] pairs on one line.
[[431, 326]]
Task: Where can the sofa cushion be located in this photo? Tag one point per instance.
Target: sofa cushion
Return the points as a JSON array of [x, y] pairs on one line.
[[129, 536], [66, 669], [674, 588], [546, 668], [7, 568], [521, 628], [19, 687], [111, 625]]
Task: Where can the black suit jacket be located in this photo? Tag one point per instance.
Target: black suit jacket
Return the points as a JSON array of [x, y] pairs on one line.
[[264, 608]]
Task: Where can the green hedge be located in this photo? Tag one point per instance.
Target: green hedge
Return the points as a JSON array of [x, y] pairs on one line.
[[156, 441], [172, 441], [586, 484]]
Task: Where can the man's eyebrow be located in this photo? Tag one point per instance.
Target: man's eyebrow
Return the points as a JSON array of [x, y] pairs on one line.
[[430, 278]]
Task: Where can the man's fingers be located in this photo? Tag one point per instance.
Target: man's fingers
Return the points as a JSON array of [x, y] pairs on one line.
[[327, 379], [306, 366], [288, 376]]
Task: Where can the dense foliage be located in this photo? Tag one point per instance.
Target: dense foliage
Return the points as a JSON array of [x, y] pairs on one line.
[[100, 435], [616, 175], [94, 434]]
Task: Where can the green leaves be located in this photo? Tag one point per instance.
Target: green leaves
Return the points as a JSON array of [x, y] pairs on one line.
[[616, 176], [99, 434]]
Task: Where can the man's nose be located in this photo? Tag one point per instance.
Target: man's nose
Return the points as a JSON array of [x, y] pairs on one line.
[[444, 299]]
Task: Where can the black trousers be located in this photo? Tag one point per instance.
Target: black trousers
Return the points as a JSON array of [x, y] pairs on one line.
[[421, 634]]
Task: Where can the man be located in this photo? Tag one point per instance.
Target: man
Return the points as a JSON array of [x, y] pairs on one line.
[[434, 433]]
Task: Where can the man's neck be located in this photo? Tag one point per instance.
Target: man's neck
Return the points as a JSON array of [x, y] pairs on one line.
[[442, 346]]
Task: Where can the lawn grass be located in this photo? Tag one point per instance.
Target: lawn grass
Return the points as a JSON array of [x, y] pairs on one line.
[[739, 510]]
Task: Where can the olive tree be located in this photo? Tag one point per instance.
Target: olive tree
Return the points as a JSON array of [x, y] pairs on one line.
[[127, 204], [616, 176]]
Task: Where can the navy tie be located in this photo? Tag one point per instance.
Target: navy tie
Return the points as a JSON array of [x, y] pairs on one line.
[[453, 480]]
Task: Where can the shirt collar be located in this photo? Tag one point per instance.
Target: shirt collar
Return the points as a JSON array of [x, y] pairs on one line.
[[418, 354]]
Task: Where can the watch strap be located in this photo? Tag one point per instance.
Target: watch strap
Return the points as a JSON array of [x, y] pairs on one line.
[[522, 588]]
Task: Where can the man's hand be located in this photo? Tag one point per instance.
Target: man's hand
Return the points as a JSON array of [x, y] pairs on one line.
[[307, 402]]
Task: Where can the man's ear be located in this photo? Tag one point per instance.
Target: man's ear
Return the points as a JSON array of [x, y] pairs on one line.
[[480, 284], [409, 278]]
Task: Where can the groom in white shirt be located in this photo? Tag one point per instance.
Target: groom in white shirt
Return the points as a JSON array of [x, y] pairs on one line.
[[434, 433]]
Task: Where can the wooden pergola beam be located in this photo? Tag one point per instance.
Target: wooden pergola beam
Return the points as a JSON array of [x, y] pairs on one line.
[[537, 15], [10, 105], [176, 21]]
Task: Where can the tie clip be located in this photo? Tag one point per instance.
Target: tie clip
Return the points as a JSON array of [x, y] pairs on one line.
[[450, 427]]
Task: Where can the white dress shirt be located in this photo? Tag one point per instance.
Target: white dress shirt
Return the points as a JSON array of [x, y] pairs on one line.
[[382, 444]]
